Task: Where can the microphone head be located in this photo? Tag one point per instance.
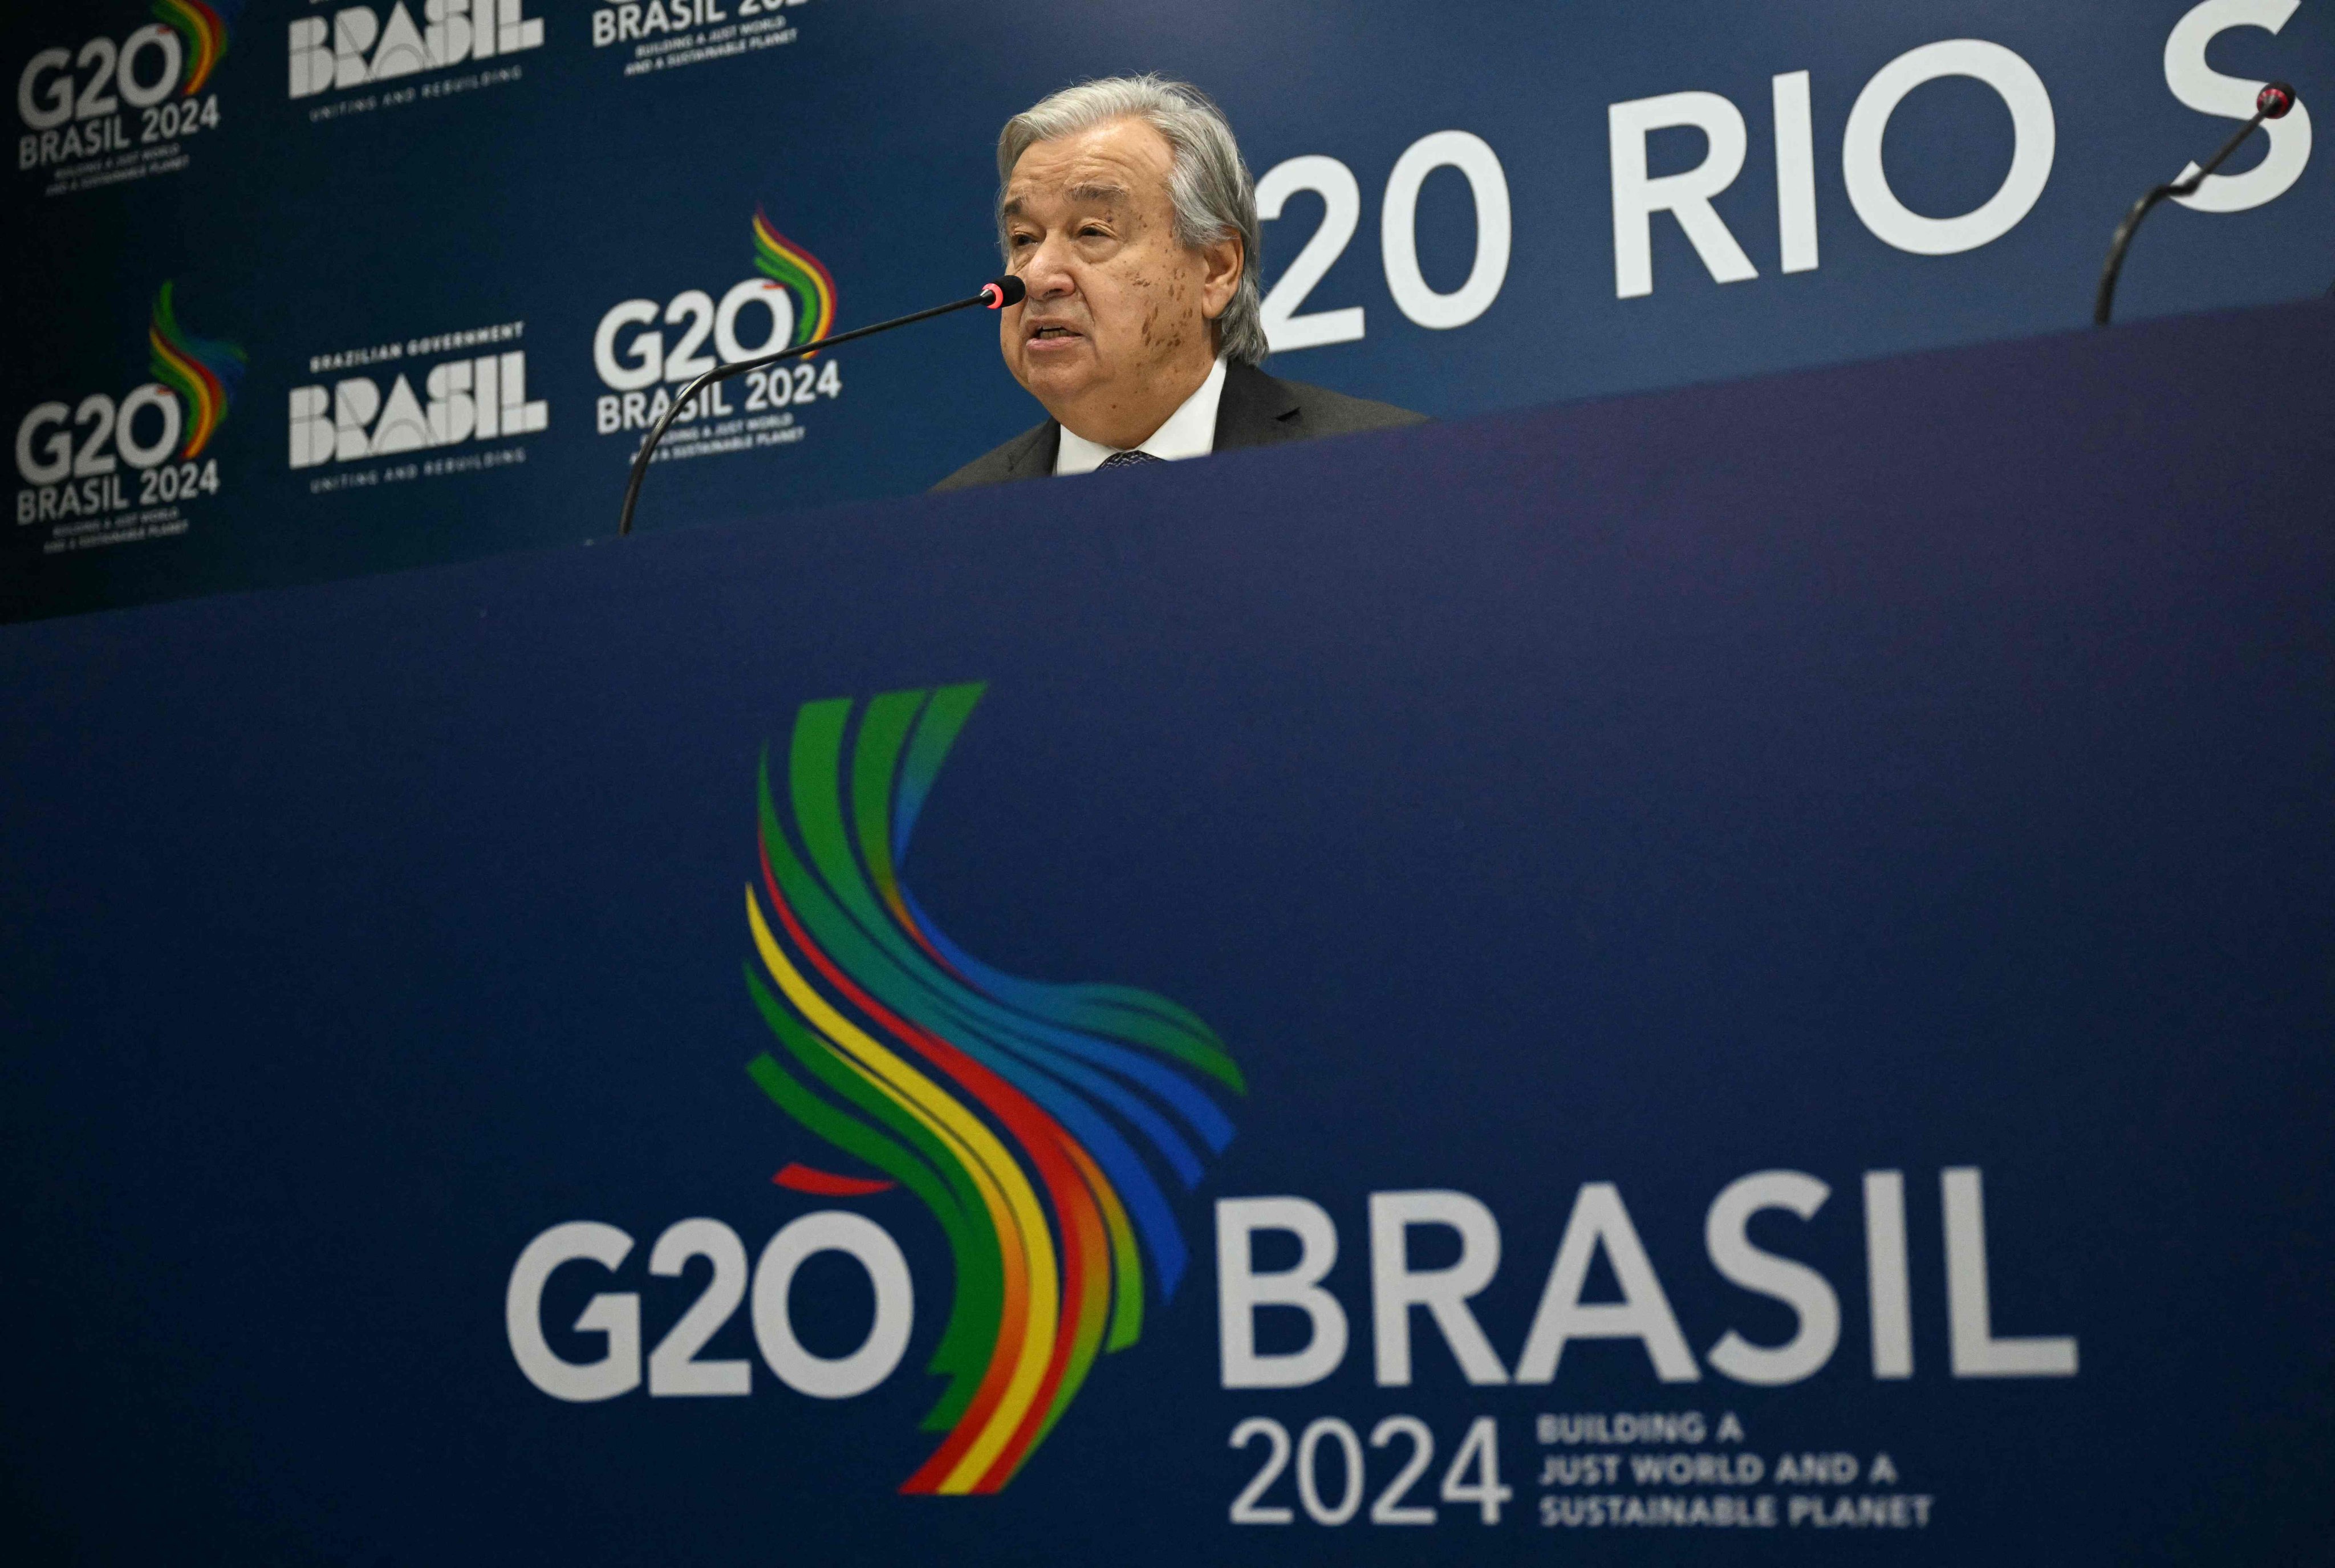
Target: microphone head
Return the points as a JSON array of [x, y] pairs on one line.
[[2275, 100], [1001, 291]]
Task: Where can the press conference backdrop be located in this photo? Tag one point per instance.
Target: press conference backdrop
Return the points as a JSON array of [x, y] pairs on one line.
[[1808, 955], [301, 291]]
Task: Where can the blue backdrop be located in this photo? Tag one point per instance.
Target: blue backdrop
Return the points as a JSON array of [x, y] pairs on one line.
[[340, 195], [1914, 767]]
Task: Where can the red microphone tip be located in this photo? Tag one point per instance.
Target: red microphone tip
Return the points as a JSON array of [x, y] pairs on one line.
[[999, 292], [2275, 100]]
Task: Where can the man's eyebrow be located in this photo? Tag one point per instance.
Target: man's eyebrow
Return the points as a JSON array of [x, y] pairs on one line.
[[1099, 194]]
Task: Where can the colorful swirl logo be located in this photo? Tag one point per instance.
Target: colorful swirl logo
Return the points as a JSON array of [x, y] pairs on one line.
[[205, 31], [204, 372], [1027, 1116], [802, 275]]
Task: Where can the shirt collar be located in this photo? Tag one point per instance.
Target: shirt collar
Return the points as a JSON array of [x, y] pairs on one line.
[[1190, 432]]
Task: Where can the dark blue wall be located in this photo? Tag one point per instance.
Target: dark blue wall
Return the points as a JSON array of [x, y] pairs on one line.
[[1900, 766]]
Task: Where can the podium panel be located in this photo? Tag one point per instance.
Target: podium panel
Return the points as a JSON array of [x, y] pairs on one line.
[[1735, 975]]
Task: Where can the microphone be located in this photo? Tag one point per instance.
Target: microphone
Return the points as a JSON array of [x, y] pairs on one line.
[[996, 294], [2271, 102]]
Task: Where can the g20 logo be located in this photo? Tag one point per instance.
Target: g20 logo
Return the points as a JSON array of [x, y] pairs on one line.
[[676, 1367], [71, 100], [69, 454], [106, 429], [631, 355], [1040, 1125]]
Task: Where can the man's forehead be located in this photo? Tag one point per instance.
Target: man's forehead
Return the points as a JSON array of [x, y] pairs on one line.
[[1118, 160]]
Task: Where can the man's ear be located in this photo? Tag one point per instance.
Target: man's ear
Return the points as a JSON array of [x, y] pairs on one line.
[[1225, 260]]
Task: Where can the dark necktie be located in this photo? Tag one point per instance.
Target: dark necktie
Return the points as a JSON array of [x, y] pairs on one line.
[[1128, 461]]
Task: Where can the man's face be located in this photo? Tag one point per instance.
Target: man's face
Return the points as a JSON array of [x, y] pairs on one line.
[[1118, 313]]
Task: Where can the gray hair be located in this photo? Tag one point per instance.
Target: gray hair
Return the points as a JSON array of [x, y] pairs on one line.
[[1210, 186]]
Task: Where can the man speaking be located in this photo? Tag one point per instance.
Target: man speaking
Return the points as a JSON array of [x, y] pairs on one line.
[[1124, 207]]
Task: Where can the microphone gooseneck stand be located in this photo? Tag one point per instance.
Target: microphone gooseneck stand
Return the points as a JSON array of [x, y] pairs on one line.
[[2271, 103], [996, 294]]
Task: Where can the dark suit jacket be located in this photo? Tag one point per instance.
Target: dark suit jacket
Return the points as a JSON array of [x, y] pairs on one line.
[[1256, 411]]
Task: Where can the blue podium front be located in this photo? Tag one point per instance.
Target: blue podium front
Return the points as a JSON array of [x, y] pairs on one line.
[[1738, 975]]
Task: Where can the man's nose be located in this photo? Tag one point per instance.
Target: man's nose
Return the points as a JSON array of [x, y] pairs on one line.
[[1046, 272]]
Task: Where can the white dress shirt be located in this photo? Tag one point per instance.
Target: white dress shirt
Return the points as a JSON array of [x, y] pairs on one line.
[[1190, 433]]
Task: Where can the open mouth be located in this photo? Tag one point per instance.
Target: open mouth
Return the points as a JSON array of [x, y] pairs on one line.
[[1051, 333]]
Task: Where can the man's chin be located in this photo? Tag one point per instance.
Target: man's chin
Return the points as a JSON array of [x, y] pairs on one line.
[[1057, 384]]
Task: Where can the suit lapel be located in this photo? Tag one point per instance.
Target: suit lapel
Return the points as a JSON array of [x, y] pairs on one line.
[[1032, 457], [1255, 409]]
